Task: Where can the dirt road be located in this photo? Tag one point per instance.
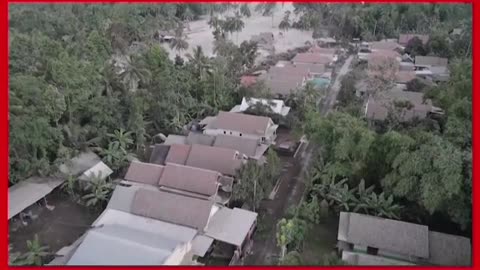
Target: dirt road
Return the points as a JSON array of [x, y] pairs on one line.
[[265, 250]]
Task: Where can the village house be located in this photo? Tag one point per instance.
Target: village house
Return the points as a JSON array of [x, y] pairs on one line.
[[195, 182], [230, 230], [242, 125], [379, 108], [403, 39], [432, 68], [371, 240], [313, 58]]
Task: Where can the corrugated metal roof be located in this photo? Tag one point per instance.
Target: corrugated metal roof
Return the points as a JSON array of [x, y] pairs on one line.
[[231, 225], [99, 170], [27, 192], [120, 245], [399, 237]]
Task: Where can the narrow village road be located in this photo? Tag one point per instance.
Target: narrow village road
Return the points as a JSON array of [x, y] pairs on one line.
[[265, 250], [335, 88]]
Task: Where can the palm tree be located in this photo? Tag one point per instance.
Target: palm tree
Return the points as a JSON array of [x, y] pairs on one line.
[[188, 16], [199, 62], [179, 43], [134, 73], [235, 24], [285, 23], [245, 11]]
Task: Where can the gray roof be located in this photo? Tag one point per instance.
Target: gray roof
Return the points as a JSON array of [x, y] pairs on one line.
[[379, 107], [190, 179], [231, 225], [120, 245], [403, 238], [200, 138], [355, 258], [175, 139], [243, 145], [27, 192], [159, 154], [173, 208], [452, 250], [201, 244]]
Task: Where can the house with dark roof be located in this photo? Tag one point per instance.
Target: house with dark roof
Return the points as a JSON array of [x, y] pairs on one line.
[[176, 178], [243, 125], [178, 215], [371, 240], [432, 68], [403, 39], [378, 108], [313, 58]]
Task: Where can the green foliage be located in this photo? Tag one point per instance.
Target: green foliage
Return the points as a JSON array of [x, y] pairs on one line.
[[75, 78], [255, 181], [290, 233], [345, 141], [332, 259], [291, 258], [98, 191], [35, 255]]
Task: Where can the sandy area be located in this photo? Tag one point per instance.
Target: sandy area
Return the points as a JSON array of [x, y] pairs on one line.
[[200, 34]]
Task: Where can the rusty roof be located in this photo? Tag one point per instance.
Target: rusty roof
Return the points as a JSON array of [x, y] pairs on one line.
[[146, 173], [186, 178], [178, 153]]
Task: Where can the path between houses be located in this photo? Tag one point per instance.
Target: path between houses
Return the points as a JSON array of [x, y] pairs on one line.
[[290, 192], [333, 93]]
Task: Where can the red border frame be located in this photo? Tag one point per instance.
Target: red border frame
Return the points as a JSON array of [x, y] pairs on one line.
[[4, 116]]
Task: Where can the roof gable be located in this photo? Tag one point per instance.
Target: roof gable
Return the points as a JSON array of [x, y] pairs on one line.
[[173, 208], [146, 173], [244, 123], [196, 180]]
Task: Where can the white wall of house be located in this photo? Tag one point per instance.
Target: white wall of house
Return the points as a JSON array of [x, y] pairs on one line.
[[269, 135]]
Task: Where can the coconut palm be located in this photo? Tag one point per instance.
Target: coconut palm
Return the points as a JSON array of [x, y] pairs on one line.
[[285, 23], [199, 62], [179, 43], [245, 11], [234, 24], [134, 73]]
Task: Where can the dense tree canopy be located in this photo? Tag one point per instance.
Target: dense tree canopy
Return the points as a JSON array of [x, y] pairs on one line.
[[79, 72]]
